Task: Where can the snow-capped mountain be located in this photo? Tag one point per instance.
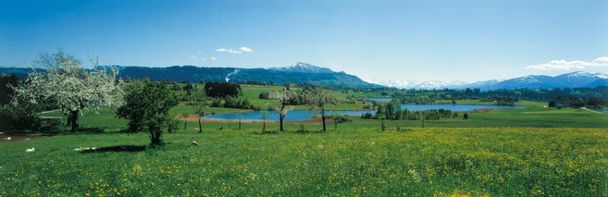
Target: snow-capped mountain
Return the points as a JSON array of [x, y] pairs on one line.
[[303, 68], [418, 84], [568, 80], [479, 84], [581, 74]]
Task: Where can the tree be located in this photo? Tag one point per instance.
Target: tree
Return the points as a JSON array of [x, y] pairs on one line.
[[283, 99], [188, 89], [382, 123], [334, 115], [148, 103], [422, 118], [317, 98], [465, 116], [185, 117], [69, 87], [6, 90], [200, 111], [264, 116]]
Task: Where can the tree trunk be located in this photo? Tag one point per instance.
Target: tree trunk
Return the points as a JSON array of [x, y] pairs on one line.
[[200, 126], [323, 119], [74, 120], [155, 136], [335, 123], [185, 124], [281, 117], [422, 122], [264, 126]]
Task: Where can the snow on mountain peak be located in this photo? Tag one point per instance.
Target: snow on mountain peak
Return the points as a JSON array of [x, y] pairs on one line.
[[585, 74], [433, 84], [304, 68]]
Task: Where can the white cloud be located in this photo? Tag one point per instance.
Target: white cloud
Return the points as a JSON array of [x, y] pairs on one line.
[[199, 58], [223, 50], [240, 50], [246, 49], [568, 65]]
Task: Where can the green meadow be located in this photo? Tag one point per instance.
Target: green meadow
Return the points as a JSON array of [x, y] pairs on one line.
[[531, 151]]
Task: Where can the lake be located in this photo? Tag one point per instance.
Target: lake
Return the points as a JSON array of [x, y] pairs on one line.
[[304, 115], [294, 115]]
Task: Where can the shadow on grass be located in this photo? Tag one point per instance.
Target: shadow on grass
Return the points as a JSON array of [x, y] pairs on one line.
[[92, 130], [122, 148]]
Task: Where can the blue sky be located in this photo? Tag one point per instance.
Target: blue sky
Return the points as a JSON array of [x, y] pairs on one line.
[[400, 40]]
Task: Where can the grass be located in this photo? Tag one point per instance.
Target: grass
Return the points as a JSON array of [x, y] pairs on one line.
[[530, 116], [532, 151], [350, 161]]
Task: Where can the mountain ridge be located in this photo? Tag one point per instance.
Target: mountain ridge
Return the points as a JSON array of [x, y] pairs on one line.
[[574, 79], [300, 73], [304, 73]]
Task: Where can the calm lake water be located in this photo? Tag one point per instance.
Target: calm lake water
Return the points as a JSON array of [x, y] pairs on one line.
[[303, 115], [295, 115]]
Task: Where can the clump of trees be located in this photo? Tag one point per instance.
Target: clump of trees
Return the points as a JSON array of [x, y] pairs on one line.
[[147, 105], [233, 102], [241, 103], [215, 89], [502, 101], [393, 111]]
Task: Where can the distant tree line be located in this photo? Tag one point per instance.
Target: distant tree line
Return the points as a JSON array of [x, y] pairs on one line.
[[393, 111], [575, 97]]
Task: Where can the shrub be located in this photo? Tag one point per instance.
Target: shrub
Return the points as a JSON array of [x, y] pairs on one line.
[[264, 95], [367, 116], [342, 119]]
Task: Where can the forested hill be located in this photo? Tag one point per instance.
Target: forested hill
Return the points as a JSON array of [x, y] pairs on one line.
[[300, 73]]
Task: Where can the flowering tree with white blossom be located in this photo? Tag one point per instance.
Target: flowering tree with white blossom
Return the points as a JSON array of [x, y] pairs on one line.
[[69, 87], [283, 99]]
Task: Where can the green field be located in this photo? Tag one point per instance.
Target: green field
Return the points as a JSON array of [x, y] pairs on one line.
[[533, 151], [350, 161]]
